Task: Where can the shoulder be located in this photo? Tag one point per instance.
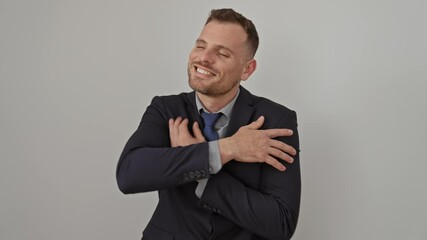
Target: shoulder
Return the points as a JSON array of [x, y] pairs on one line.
[[262, 103], [274, 112], [173, 106], [274, 107], [174, 99]]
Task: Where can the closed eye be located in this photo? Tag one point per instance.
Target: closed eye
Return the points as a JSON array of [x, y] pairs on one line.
[[224, 55]]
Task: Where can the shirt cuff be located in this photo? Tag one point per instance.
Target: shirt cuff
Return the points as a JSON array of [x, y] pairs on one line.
[[214, 157], [201, 187], [214, 167]]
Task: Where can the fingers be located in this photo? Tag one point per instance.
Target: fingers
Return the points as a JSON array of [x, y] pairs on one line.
[[182, 127], [274, 163], [172, 130], [197, 132], [271, 133], [257, 124], [282, 151], [180, 135], [171, 125], [174, 124], [178, 125], [278, 132], [283, 147], [280, 154]]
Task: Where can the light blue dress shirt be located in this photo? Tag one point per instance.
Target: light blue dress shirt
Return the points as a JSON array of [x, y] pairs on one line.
[[221, 128]]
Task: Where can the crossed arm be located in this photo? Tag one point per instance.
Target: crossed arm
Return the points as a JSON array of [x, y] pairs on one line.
[[248, 145]]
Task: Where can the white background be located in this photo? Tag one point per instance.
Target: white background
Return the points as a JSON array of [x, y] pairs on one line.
[[76, 76]]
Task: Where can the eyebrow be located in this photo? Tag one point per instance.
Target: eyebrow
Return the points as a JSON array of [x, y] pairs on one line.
[[217, 46]]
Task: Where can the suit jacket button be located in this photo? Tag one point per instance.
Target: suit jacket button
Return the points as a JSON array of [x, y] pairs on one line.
[[191, 174], [216, 210], [198, 174]]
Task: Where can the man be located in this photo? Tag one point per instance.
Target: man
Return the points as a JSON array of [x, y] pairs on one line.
[[224, 162]]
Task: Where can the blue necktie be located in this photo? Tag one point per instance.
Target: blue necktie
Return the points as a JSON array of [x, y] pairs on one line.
[[210, 120]]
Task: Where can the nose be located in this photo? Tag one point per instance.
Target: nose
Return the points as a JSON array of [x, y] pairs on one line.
[[206, 56]]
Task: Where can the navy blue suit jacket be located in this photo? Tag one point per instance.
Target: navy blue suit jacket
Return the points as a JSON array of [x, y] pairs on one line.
[[242, 201]]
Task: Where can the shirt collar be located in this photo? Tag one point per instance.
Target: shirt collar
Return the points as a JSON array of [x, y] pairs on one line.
[[226, 110]]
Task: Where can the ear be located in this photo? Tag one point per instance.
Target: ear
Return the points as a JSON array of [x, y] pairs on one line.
[[249, 69]]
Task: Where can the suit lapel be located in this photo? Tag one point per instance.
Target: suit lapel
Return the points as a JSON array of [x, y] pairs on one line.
[[191, 109], [242, 112]]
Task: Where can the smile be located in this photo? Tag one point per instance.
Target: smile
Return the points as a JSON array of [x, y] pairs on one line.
[[204, 72]]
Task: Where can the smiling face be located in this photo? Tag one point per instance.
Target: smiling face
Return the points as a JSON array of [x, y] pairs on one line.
[[219, 60]]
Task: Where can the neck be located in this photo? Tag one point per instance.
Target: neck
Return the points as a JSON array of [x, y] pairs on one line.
[[216, 103]]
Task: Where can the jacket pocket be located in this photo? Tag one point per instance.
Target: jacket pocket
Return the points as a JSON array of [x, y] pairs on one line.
[[152, 232]]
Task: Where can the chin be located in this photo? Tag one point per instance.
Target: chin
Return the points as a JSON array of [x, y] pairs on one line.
[[196, 87]]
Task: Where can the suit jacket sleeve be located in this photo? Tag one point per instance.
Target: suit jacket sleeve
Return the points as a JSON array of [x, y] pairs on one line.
[[148, 163], [270, 211]]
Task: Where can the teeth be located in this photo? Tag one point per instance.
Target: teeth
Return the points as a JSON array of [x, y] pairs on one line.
[[203, 71]]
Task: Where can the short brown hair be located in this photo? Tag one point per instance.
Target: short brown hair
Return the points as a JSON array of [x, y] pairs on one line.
[[228, 15]]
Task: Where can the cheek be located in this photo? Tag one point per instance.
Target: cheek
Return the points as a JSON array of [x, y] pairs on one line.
[[233, 70], [192, 55]]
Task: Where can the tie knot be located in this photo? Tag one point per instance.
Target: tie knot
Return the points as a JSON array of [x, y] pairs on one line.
[[210, 118]]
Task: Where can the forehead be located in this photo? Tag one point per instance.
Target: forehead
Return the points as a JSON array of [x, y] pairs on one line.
[[230, 35]]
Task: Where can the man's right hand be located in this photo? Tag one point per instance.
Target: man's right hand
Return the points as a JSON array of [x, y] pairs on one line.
[[251, 145]]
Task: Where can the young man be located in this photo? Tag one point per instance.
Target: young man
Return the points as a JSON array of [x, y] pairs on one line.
[[224, 162]]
